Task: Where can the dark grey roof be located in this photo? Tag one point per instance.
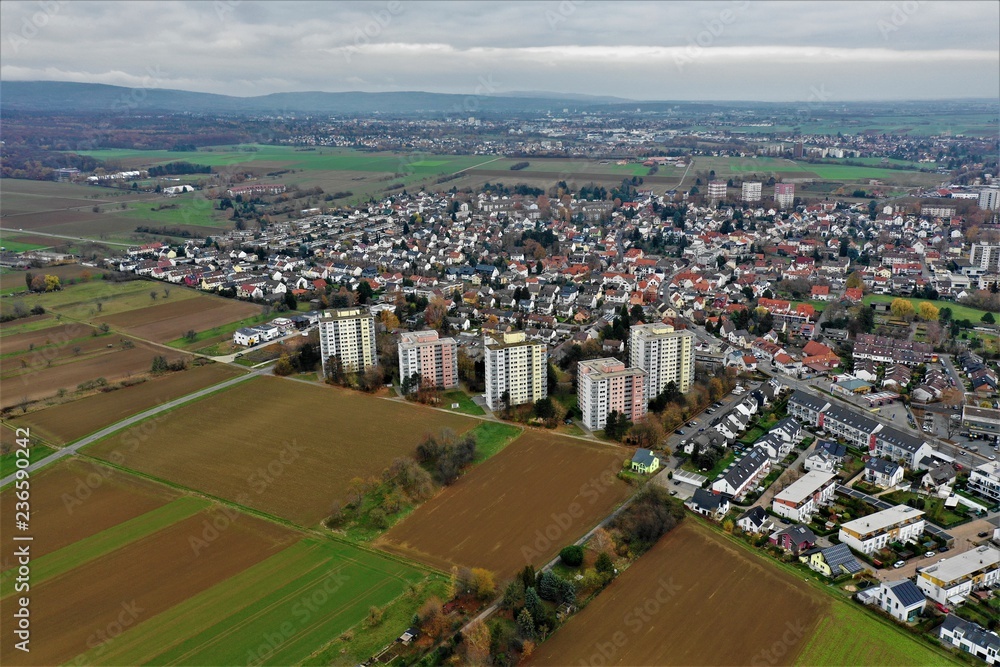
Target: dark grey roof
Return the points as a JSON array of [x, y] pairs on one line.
[[840, 556], [833, 448], [644, 457], [851, 418], [882, 466], [799, 534], [898, 438], [972, 632], [789, 423], [807, 400], [758, 515], [708, 500], [745, 468], [906, 592]]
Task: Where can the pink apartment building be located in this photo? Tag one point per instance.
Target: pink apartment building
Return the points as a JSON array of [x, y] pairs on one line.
[[434, 359], [604, 385]]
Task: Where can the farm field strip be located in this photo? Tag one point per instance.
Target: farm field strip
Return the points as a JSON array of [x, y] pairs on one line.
[[153, 574], [108, 540], [75, 499], [291, 468], [695, 585], [304, 596], [67, 422], [538, 494]]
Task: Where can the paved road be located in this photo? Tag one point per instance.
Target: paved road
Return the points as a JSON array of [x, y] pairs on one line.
[[125, 423]]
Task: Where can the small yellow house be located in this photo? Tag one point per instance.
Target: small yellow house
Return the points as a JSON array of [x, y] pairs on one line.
[[645, 462]]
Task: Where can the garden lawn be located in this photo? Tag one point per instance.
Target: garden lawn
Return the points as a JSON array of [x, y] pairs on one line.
[[958, 311], [465, 404]]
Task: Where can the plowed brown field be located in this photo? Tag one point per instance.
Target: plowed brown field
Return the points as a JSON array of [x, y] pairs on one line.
[[86, 606], [283, 447], [66, 423], [692, 599], [541, 493], [170, 321]]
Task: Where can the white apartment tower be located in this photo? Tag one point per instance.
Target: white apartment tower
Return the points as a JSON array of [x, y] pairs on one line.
[[751, 191], [349, 335], [716, 190], [433, 358], [666, 356], [515, 366]]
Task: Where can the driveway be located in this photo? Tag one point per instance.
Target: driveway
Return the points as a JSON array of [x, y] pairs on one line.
[[965, 539]]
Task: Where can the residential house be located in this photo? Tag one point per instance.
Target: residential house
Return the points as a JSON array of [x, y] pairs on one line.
[[755, 520], [971, 638], [803, 497], [882, 473], [708, 504], [870, 533], [744, 475], [795, 539], [833, 561], [645, 461], [951, 580], [900, 599]]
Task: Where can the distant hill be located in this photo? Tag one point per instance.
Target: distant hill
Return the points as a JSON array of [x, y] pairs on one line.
[[101, 98]]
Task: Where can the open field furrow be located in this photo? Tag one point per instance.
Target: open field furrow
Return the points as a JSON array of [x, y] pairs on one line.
[[105, 542], [520, 507], [290, 448]]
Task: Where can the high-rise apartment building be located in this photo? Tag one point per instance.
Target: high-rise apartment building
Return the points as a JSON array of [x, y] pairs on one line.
[[604, 385], [433, 358], [986, 256], [716, 190], [349, 335], [784, 194], [665, 354], [751, 191], [989, 199], [516, 370]]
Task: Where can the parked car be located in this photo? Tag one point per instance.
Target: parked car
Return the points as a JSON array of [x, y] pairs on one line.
[[680, 431], [692, 424], [930, 554], [985, 533], [898, 564]]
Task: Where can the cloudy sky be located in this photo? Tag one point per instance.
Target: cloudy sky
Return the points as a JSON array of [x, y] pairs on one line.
[[735, 50]]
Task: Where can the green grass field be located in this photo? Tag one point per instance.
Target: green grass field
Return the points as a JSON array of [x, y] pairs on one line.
[[17, 246], [8, 461], [492, 437], [288, 157], [187, 209], [465, 404], [958, 311], [106, 541], [278, 612], [849, 636]]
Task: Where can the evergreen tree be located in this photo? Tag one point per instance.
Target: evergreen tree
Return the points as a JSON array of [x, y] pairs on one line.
[[526, 624]]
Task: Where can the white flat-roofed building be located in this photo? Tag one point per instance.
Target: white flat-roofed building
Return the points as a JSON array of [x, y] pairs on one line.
[[751, 190], [985, 480], [800, 500], [957, 577], [516, 370], [348, 335], [666, 356], [868, 534]]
